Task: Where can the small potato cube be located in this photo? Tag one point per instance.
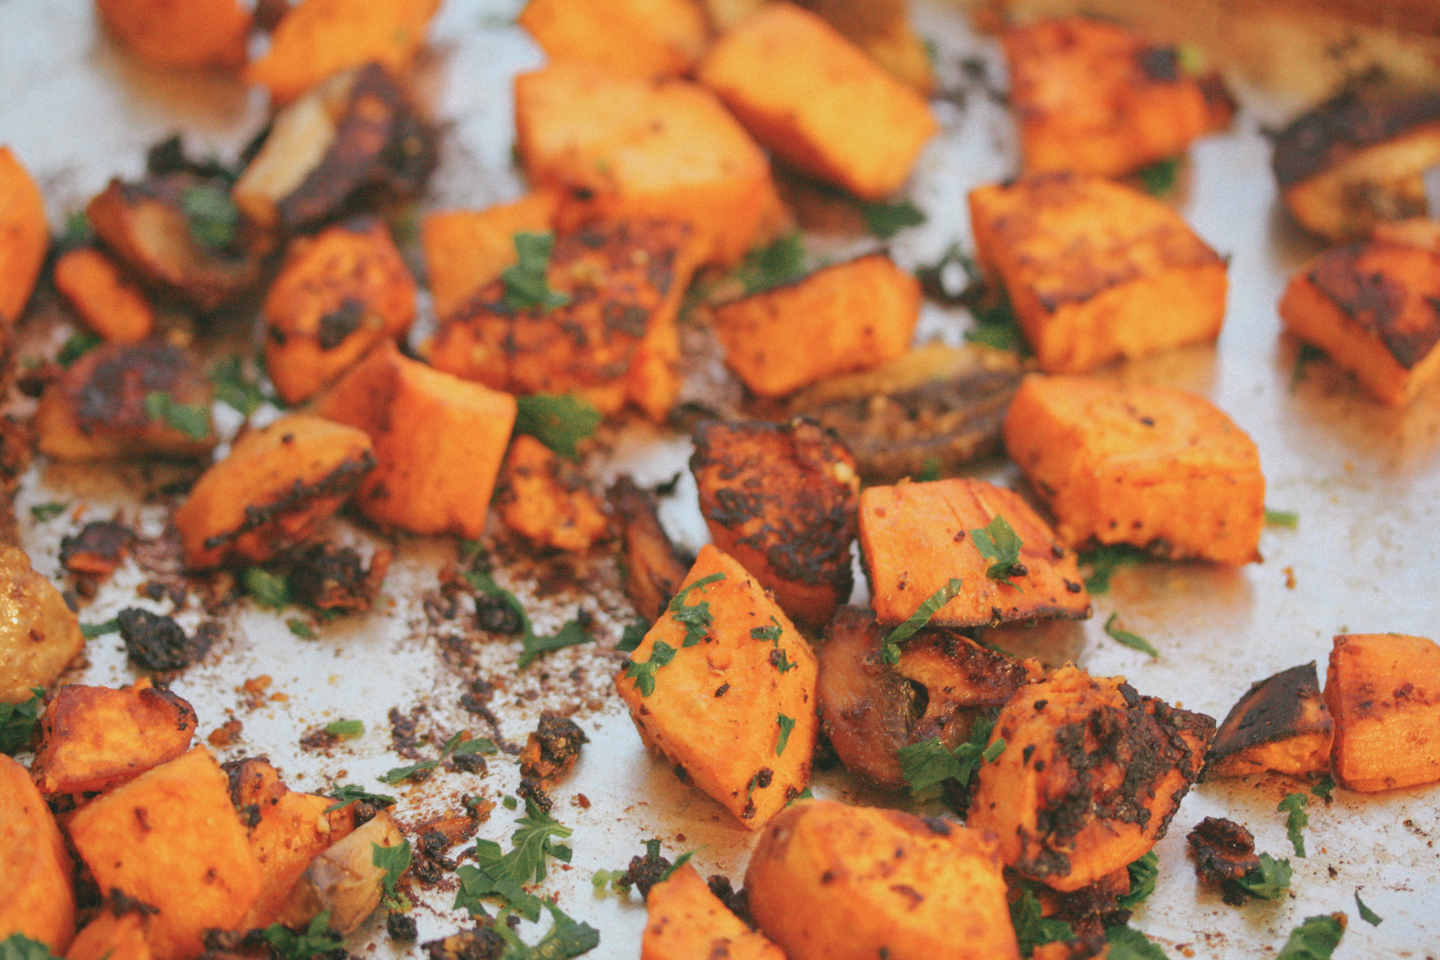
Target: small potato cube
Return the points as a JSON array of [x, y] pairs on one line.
[[1383, 691], [39, 633], [273, 491], [1089, 778], [781, 500], [1155, 467], [723, 686], [815, 99], [849, 316], [171, 838], [638, 38], [24, 235], [108, 937], [1096, 271], [93, 738], [687, 921], [467, 249], [196, 33], [106, 300], [917, 537], [829, 881], [439, 441], [547, 500], [1372, 306], [1281, 724], [36, 872]]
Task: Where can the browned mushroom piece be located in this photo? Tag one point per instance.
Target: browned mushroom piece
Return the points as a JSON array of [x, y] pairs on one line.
[[653, 566]]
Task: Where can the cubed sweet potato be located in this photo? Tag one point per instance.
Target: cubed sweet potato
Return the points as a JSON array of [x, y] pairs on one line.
[[1383, 691], [687, 921], [108, 937], [343, 879], [918, 537], [637, 38], [723, 686], [1371, 305], [35, 868], [1155, 467], [883, 30], [467, 249], [547, 500], [171, 838], [104, 298], [848, 316], [1089, 778], [828, 881], [196, 33], [1096, 271], [24, 235], [273, 491], [1280, 724], [39, 633], [817, 101], [439, 441], [93, 738]]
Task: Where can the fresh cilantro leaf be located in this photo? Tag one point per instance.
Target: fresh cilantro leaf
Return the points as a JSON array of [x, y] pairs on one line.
[[1366, 914], [1268, 881], [504, 875], [1159, 177], [884, 220], [770, 633], [1315, 939], [1296, 822], [805, 794], [190, 419], [526, 283], [644, 673], [1143, 875], [345, 728], [394, 861], [301, 629], [1033, 930], [695, 617], [210, 214], [1104, 560], [631, 636], [92, 630], [402, 774], [233, 388], [559, 422], [349, 793], [787, 724], [77, 229], [17, 946], [680, 861], [1127, 943], [890, 652], [571, 634], [928, 764], [1132, 640], [997, 541], [780, 660], [566, 938], [43, 512], [1287, 519], [474, 745], [316, 939], [270, 590], [1324, 787], [775, 265], [79, 343], [17, 722]]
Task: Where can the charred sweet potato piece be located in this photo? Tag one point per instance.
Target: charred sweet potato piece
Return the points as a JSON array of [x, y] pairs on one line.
[[639, 38], [273, 491], [849, 316], [687, 921], [547, 500], [99, 547], [439, 441], [343, 879], [1089, 778], [653, 568], [329, 577], [105, 299], [1372, 306], [24, 235], [723, 686], [833, 881], [551, 752], [197, 33], [1383, 692], [93, 738], [338, 294], [1280, 724], [1224, 851], [467, 249], [1096, 271], [1155, 467], [782, 500], [39, 634], [817, 101], [170, 838], [35, 868], [108, 937], [917, 537]]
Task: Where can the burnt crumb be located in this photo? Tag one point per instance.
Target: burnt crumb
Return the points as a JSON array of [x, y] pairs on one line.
[[1224, 852], [156, 642], [471, 763], [429, 864], [318, 739], [552, 749], [401, 928], [532, 789], [229, 943], [329, 577], [97, 549], [403, 737], [121, 903], [481, 943], [644, 872], [736, 901], [494, 614]]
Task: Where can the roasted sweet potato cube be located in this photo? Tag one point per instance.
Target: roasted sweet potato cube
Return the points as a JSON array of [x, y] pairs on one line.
[[108, 937], [828, 880], [1097, 98], [1280, 724], [105, 299], [1371, 305], [547, 500], [93, 738], [273, 491], [1155, 467], [439, 441], [781, 500], [1383, 691], [723, 686], [626, 148], [849, 316], [24, 235], [687, 921], [918, 537], [883, 30], [638, 38], [652, 566], [1089, 778], [36, 872], [171, 838], [343, 879], [817, 101], [467, 249], [1096, 271], [197, 33], [39, 633]]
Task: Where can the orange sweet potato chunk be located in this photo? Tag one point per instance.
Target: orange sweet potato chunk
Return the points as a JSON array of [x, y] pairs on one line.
[[546, 500], [195, 33], [24, 235], [171, 838], [467, 249], [108, 937], [639, 38], [39, 633], [1096, 271], [1383, 692], [35, 869], [916, 538], [687, 921], [817, 101], [1281, 724], [723, 686], [849, 316], [1155, 467], [108, 302]]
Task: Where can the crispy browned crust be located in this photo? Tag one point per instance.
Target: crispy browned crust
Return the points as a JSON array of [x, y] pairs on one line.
[[653, 566], [1376, 299], [298, 498], [1277, 708], [1337, 129]]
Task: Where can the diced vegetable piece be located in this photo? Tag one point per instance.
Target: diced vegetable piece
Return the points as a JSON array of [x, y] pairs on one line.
[[1371, 305], [439, 441], [338, 294], [882, 29], [106, 300], [24, 235], [838, 882], [547, 500], [626, 148], [1089, 778], [171, 838], [273, 491], [916, 538], [781, 500], [1155, 467], [108, 937], [1096, 271], [639, 38], [652, 565], [815, 99], [687, 921], [1383, 691], [39, 633], [849, 316], [706, 691], [35, 868], [1281, 724], [344, 879], [197, 33], [93, 738], [467, 249]]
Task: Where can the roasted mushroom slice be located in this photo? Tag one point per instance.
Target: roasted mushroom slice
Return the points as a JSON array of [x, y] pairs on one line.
[[1281, 724], [653, 566], [344, 880]]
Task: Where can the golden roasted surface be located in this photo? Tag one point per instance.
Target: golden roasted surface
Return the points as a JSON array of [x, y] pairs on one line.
[[547, 499], [687, 921], [1280, 724], [108, 302], [197, 33], [1383, 692], [39, 634], [640, 38], [24, 236], [36, 872]]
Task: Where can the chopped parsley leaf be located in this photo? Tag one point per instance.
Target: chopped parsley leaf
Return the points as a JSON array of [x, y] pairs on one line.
[[680, 861], [1366, 914], [1315, 939], [92, 630], [1288, 519], [781, 661], [43, 512], [504, 875], [345, 728], [1034, 930], [1104, 560], [1159, 177], [558, 421], [787, 724], [210, 215], [1143, 875], [270, 590], [234, 389], [394, 861], [695, 617], [1127, 943], [770, 633], [301, 629], [1269, 881], [997, 541], [884, 220], [17, 946], [402, 774], [566, 938], [571, 634], [1296, 822], [473, 745], [631, 636], [349, 793], [77, 345], [316, 939], [1324, 787], [1132, 640], [17, 722], [527, 285], [928, 764], [644, 673], [890, 651], [192, 420], [777, 264]]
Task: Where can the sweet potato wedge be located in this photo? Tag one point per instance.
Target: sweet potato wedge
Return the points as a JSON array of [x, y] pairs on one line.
[[1383, 692], [24, 235], [39, 633], [105, 299], [638, 38], [197, 33], [467, 249], [108, 937], [883, 30], [1280, 724], [36, 872], [546, 499], [687, 921]]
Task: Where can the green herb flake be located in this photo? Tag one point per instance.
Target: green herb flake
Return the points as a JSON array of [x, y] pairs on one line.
[[1033, 930], [992, 753], [399, 775], [1103, 561], [1132, 640], [210, 215], [680, 861], [566, 938], [78, 231], [481, 745], [1285, 519], [777, 264], [787, 724], [17, 946], [631, 636], [1324, 787], [929, 470], [17, 722], [45, 512], [394, 861], [571, 634], [558, 421], [885, 220], [270, 590], [234, 389], [316, 939], [770, 634], [190, 419], [805, 794], [92, 630], [509, 803], [695, 617], [1366, 914], [890, 652], [1127, 943], [76, 346], [1143, 875], [1304, 356], [608, 881], [301, 629], [503, 875], [1296, 822], [1315, 939], [928, 764], [526, 284], [1269, 881], [345, 728], [349, 793], [998, 542], [643, 673], [1159, 178], [781, 661]]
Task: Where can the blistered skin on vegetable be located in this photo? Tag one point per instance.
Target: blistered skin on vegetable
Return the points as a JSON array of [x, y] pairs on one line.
[[652, 566], [39, 634], [1280, 724]]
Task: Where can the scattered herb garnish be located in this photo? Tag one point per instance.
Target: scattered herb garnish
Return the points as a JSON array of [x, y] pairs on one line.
[[1127, 943], [631, 636], [301, 629], [17, 722], [680, 861], [1366, 914], [17, 946], [526, 283], [316, 939], [643, 673], [767, 267], [884, 220], [79, 343], [890, 652], [234, 389], [998, 542], [270, 590], [929, 470], [210, 215], [455, 746], [394, 861], [608, 881], [1324, 787], [566, 938], [695, 617], [349, 793], [558, 421], [345, 728], [1296, 822], [1034, 930], [77, 229], [190, 419], [504, 875], [1288, 519], [1143, 875], [1269, 881], [928, 764], [572, 633], [770, 633], [43, 512], [92, 630], [1104, 560], [780, 660], [397, 775], [1315, 939], [1132, 640], [1159, 177], [787, 724]]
